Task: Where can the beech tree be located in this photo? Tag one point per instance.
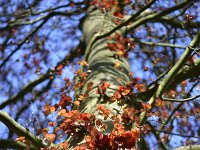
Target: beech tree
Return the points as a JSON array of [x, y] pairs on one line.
[[100, 74]]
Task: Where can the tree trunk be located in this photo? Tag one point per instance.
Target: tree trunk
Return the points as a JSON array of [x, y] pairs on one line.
[[101, 67]]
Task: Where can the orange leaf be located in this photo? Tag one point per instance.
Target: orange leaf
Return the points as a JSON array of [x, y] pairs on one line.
[[120, 46], [117, 95], [62, 112], [63, 145], [118, 14], [135, 132], [145, 68], [140, 87], [80, 147], [84, 75], [158, 102], [81, 97], [126, 91], [50, 137], [59, 68], [146, 106], [105, 84], [21, 139], [172, 94], [184, 83], [52, 124], [57, 129], [90, 86], [117, 65], [76, 103], [103, 111], [104, 127], [99, 123], [88, 139], [45, 131], [120, 53], [115, 118], [117, 36], [48, 109], [112, 46], [83, 63]]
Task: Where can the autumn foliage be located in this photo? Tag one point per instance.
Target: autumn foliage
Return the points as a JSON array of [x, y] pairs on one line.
[[99, 74], [77, 124]]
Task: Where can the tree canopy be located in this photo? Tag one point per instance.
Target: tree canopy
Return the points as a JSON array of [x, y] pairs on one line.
[[100, 74]]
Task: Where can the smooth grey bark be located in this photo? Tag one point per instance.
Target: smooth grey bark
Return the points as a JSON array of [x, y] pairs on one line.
[[101, 67], [190, 147], [101, 61]]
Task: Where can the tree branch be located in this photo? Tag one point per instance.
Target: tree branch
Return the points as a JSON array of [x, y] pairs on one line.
[[55, 8], [20, 23], [137, 23], [19, 130], [176, 68], [7, 143], [157, 136], [178, 24], [22, 42], [169, 118], [189, 147], [31, 85], [26, 106], [161, 44], [157, 16], [172, 73], [97, 37], [45, 19], [179, 100], [186, 73], [177, 134], [24, 91]]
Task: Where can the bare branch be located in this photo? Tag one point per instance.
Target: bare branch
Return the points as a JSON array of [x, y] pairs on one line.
[[189, 147], [161, 44], [26, 89], [45, 19], [172, 73], [31, 85], [186, 73], [52, 14], [7, 143], [22, 42], [19, 130], [55, 8], [157, 136], [136, 22], [170, 116], [25, 107], [176, 68], [157, 16], [178, 134], [179, 100], [160, 77], [178, 24]]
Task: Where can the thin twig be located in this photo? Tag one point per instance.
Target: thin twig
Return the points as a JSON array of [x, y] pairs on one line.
[[161, 44], [19, 130], [172, 73], [179, 100], [157, 136], [31, 85]]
